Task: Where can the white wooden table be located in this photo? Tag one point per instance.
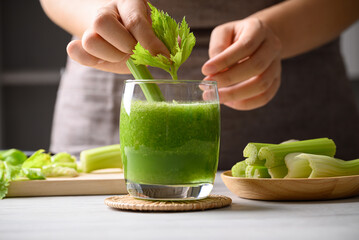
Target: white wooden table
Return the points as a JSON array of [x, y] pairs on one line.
[[87, 217]]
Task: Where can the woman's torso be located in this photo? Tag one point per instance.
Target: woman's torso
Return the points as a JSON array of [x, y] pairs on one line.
[[314, 100]]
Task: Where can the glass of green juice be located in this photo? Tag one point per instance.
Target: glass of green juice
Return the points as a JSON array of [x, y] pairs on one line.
[[170, 147]]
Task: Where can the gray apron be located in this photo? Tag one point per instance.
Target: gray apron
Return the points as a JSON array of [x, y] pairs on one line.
[[314, 100]]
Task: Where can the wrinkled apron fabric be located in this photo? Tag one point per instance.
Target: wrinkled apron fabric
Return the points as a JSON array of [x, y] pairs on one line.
[[314, 100]]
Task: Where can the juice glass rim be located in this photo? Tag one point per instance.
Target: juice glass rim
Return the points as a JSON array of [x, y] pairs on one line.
[[170, 81]]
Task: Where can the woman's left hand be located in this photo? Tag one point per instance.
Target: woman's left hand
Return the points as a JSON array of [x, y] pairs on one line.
[[245, 60]]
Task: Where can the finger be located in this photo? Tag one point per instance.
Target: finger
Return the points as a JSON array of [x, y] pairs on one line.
[[118, 67], [246, 44], [249, 68], [108, 26], [95, 45], [134, 17], [256, 101], [78, 54], [252, 87], [221, 38]]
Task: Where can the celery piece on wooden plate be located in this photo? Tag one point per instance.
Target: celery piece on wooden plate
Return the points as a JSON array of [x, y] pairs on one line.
[[300, 164], [239, 169], [250, 152], [278, 171], [253, 171], [274, 155]]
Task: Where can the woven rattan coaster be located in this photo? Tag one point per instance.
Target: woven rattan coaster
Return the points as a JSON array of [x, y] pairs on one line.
[[127, 202]]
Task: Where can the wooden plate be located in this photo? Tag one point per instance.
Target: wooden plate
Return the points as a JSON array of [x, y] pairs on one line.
[[292, 188]]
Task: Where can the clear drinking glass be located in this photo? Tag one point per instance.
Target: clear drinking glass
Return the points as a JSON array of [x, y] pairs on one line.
[[170, 148]]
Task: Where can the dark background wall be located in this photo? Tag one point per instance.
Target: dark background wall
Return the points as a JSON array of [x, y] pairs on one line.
[[32, 53]]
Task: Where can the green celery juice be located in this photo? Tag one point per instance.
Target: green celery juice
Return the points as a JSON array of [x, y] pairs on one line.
[[170, 143]]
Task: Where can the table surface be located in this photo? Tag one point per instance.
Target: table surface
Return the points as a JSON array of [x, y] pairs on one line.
[[87, 217]]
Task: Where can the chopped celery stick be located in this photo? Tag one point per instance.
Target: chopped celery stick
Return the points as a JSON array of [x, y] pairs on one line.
[[251, 153], [239, 169], [324, 166], [274, 155], [298, 167], [100, 158], [257, 172], [278, 172]]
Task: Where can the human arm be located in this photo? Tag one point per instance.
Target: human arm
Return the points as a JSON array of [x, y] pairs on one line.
[[107, 30], [302, 25], [245, 55]]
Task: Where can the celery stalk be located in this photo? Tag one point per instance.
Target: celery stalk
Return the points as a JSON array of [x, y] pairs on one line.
[[325, 166], [274, 155], [278, 171], [100, 158], [239, 169], [257, 172], [298, 167], [251, 153], [151, 91]]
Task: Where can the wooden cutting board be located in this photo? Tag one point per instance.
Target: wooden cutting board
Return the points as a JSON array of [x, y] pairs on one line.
[[109, 181]]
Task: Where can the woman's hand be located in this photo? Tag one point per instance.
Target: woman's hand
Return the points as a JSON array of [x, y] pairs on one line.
[[245, 61], [108, 42]]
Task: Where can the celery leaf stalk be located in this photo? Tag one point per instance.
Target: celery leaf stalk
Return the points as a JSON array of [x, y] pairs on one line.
[[151, 91]]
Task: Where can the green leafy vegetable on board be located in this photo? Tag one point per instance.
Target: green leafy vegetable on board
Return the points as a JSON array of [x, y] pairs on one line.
[[34, 173], [37, 160], [59, 171], [14, 165]]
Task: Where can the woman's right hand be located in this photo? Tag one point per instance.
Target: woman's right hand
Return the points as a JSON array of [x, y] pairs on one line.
[[109, 41]]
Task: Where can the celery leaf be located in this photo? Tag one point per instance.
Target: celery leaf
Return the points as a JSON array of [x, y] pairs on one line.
[[176, 37]]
